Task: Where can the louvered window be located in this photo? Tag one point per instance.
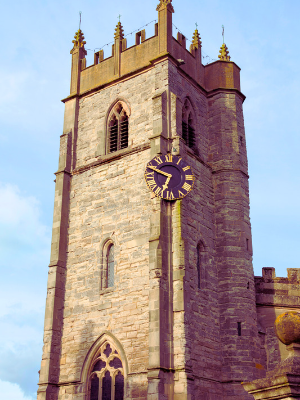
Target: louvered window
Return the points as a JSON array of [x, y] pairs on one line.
[[188, 130], [191, 135], [124, 134], [118, 130], [113, 137], [185, 131]]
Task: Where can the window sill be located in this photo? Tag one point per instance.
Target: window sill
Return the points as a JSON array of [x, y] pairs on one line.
[[107, 290]]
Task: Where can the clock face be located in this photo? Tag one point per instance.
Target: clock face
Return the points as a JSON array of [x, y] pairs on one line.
[[169, 177]]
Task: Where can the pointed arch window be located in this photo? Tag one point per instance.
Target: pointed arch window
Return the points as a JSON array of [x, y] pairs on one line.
[[107, 265], [106, 377], [110, 265], [188, 124], [118, 129]]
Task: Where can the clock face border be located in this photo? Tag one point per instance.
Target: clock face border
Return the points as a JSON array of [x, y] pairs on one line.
[[181, 180]]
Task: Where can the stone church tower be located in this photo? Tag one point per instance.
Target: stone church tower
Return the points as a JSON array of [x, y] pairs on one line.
[[151, 299]]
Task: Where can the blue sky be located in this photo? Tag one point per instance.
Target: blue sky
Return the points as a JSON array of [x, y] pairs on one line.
[[262, 38]]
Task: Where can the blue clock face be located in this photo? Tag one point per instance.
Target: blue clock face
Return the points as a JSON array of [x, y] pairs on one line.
[[169, 177]]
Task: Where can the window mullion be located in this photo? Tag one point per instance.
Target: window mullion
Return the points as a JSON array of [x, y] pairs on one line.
[[113, 387], [100, 387], [119, 133]]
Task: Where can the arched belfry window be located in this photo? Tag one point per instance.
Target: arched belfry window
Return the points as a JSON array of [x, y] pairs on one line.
[[118, 128], [106, 376], [188, 124]]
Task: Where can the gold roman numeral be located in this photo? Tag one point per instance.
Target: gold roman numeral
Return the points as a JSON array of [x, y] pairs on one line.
[[189, 177], [158, 191], [180, 194], [151, 174], [158, 160], [170, 196], [179, 160], [186, 186], [186, 168], [151, 183], [168, 157]]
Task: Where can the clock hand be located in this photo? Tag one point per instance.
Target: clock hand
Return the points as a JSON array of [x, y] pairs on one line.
[[165, 186], [159, 171]]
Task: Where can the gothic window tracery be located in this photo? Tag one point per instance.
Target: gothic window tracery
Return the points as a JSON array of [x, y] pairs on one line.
[[106, 379], [188, 124], [117, 129]]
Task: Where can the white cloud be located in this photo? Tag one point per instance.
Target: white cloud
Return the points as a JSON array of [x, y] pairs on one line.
[[25, 248], [12, 391]]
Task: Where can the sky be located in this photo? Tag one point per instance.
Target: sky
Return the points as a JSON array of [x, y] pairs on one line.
[[35, 75]]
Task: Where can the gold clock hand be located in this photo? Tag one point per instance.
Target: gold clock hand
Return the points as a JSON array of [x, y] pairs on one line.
[[159, 171], [165, 186]]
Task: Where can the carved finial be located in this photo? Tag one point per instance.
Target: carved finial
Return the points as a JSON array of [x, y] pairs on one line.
[[78, 42], [196, 42], [119, 33], [165, 3], [224, 53]]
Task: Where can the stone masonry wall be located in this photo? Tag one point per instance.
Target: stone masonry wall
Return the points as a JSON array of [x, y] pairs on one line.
[[99, 209], [196, 327], [236, 292], [109, 200], [94, 108]]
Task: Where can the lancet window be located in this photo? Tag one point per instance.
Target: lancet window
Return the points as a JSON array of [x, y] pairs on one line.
[[106, 378], [108, 265], [117, 129], [188, 124]]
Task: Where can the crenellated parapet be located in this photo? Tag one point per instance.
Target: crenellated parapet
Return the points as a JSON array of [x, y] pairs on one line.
[[278, 291], [275, 295], [123, 61]]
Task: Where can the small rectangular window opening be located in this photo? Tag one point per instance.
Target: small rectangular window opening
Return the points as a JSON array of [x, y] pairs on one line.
[[247, 244], [198, 268], [239, 328]]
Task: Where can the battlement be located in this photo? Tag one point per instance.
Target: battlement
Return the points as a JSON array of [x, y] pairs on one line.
[[132, 59], [278, 291], [145, 53]]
